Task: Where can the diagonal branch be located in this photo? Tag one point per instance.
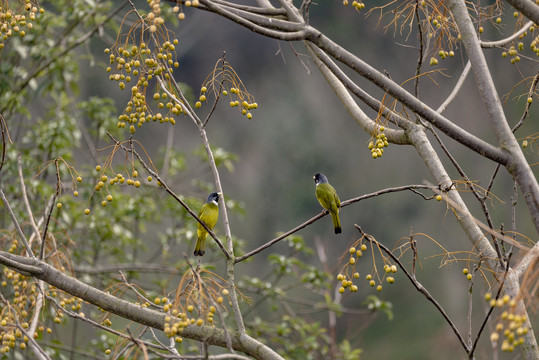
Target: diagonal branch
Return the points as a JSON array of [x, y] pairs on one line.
[[419, 287]]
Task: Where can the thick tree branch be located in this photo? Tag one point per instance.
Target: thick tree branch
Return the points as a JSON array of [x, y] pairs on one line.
[[516, 162], [130, 311], [528, 8]]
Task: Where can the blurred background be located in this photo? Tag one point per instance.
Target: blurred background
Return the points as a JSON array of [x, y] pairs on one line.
[[300, 128]]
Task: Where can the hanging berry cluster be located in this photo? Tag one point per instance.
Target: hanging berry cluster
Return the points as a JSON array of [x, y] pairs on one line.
[[511, 327], [14, 21], [348, 274], [377, 147]]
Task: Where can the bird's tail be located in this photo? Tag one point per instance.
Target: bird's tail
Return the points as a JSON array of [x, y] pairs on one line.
[[336, 222], [199, 247]]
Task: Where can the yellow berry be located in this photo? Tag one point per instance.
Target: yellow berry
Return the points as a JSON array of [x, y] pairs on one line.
[[103, 203], [465, 271], [352, 250], [363, 247], [469, 276], [224, 292], [488, 296], [149, 179], [439, 197], [379, 288], [137, 184], [109, 197], [59, 205], [86, 211], [98, 168], [79, 179], [372, 283], [356, 275], [352, 261], [75, 193], [341, 290]]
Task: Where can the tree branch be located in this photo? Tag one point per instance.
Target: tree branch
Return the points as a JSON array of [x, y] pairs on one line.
[[129, 311]]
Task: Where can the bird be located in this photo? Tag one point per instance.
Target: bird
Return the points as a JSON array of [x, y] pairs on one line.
[[209, 213], [328, 198]]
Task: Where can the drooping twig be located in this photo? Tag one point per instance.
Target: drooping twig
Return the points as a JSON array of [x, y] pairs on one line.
[[217, 307], [418, 286]]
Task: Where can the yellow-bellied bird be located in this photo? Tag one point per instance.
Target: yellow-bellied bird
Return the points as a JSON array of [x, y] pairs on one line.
[[328, 198], [209, 213]]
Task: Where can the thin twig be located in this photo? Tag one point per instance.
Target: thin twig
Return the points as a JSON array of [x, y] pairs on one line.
[[418, 286], [217, 307], [420, 56], [528, 104], [170, 192], [324, 213], [51, 209], [472, 349], [16, 223], [218, 92]]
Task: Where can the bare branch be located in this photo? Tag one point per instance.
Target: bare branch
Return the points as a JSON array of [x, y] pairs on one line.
[[418, 286]]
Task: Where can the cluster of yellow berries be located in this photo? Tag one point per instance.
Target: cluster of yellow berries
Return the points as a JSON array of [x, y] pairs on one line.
[[10, 337], [12, 23], [141, 62], [154, 19], [240, 100], [23, 300], [188, 3], [118, 178], [358, 5], [511, 326], [177, 320], [442, 54], [438, 21], [513, 52], [377, 147], [346, 280], [534, 43]]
